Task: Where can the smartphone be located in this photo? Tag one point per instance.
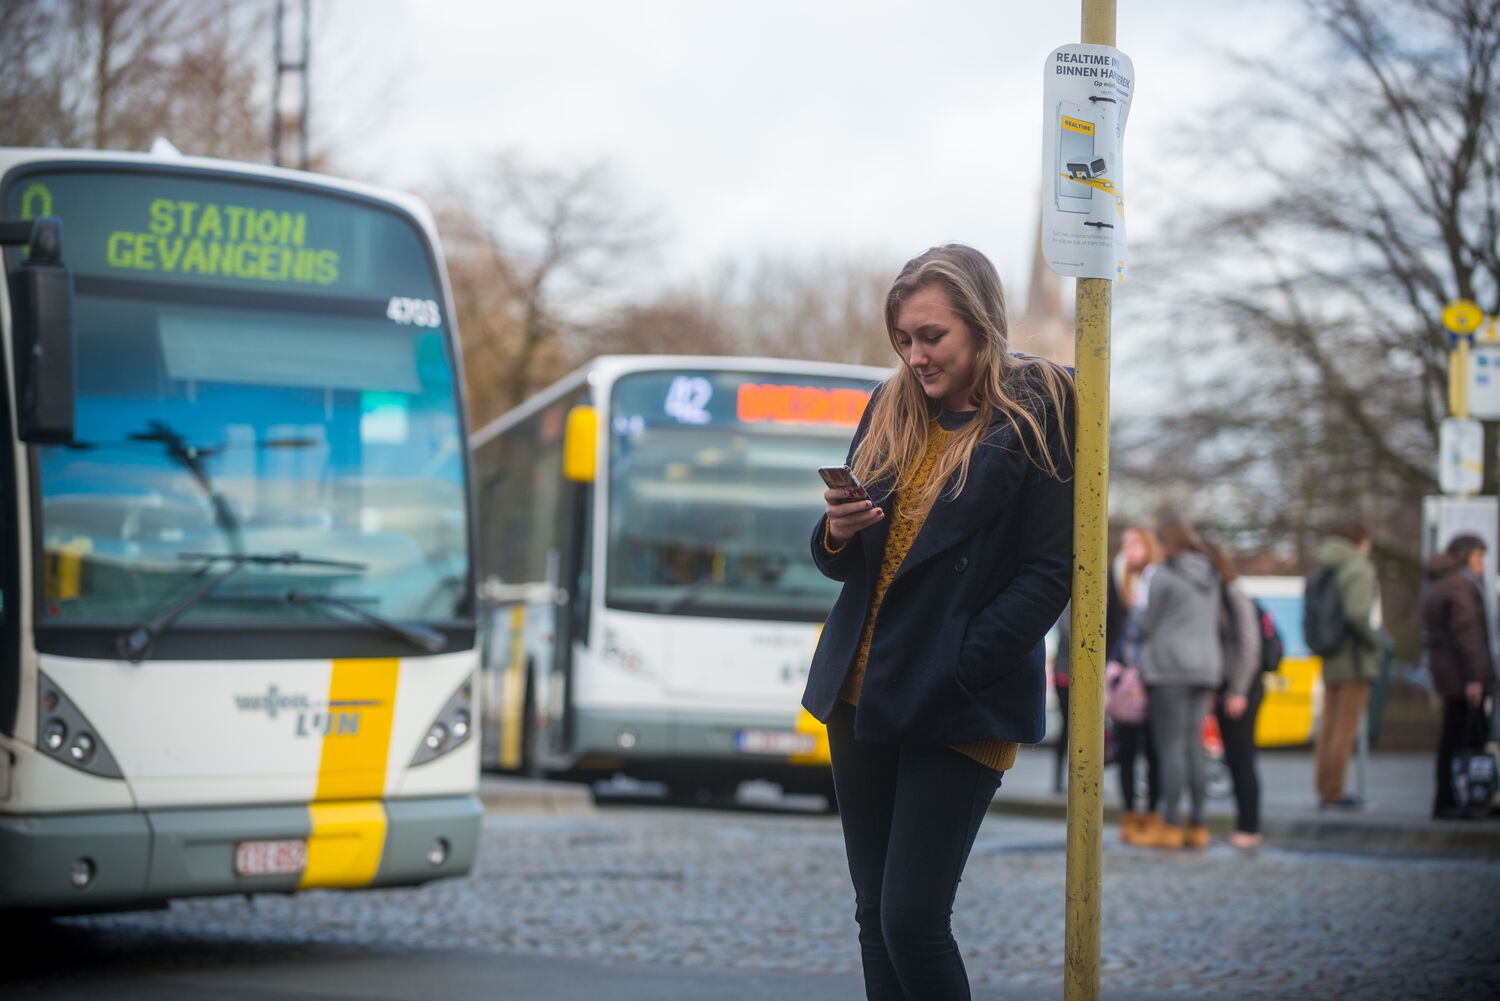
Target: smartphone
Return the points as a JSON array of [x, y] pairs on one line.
[[842, 476], [1075, 148]]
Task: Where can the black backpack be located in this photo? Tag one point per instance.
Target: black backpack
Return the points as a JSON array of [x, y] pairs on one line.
[[1323, 621], [1272, 649]]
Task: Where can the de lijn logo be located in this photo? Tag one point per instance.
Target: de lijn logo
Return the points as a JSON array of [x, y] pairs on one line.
[[339, 718]]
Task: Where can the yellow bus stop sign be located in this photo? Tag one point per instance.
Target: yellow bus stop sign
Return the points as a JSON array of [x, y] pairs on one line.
[[1462, 316]]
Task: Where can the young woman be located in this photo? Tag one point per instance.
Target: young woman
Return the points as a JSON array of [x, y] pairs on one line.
[[1181, 665], [1238, 701], [930, 670], [1139, 554]]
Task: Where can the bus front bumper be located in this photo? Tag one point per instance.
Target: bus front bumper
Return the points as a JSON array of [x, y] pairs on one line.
[[100, 861], [664, 745]]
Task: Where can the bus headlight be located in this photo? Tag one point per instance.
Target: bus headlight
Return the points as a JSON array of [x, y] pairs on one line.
[[82, 748], [65, 734], [451, 729]]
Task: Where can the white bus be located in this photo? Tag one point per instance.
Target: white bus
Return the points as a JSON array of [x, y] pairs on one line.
[[237, 639], [645, 575]]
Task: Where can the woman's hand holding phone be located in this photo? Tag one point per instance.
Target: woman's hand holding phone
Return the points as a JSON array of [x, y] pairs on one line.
[[849, 508]]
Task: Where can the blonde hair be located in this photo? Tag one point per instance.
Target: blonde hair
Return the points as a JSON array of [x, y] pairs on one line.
[[1006, 386], [1130, 577]]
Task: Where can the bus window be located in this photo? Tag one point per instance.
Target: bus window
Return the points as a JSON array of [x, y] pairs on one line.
[[1287, 611]]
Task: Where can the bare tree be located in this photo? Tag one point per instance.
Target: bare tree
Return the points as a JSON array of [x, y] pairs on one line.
[[1361, 176], [537, 257], [114, 74], [821, 308]]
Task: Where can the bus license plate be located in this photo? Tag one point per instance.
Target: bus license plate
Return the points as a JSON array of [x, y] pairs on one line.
[[270, 858], [774, 742]]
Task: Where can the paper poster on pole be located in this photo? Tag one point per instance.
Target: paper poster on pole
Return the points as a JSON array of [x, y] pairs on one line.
[[1460, 456], [1085, 101]]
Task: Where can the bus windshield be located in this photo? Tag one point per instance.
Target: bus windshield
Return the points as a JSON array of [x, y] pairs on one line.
[[714, 491], [262, 369]]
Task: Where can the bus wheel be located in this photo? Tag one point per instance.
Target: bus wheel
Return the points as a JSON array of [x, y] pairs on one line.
[[530, 766]]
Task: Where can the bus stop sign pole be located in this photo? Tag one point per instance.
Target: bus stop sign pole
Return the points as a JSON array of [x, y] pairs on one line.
[[1085, 861]]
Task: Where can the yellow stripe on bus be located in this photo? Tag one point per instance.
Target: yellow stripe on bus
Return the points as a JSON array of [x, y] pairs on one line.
[[512, 692], [346, 844], [357, 729], [807, 723]]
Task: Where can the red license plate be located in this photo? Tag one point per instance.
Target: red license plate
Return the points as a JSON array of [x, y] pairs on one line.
[[270, 858]]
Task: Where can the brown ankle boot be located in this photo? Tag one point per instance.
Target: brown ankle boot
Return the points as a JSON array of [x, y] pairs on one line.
[[1146, 826], [1130, 823], [1167, 836], [1196, 836]]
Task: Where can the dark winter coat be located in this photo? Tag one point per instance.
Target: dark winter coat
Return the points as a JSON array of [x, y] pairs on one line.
[[956, 653], [1454, 629]]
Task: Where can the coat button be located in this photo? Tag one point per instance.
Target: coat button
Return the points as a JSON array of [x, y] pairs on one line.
[[962, 564]]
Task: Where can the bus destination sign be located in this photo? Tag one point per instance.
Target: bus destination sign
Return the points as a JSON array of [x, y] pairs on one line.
[[729, 398], [225, 231]]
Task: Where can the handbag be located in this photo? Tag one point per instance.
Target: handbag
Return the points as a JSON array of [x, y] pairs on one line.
[[1475, 771], [1124, 693]]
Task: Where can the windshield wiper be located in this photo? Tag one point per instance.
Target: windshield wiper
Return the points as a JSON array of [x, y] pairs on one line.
[[135, 643], [417, 635]]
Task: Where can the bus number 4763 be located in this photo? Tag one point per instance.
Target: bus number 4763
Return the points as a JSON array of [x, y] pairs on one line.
[[414, 312]]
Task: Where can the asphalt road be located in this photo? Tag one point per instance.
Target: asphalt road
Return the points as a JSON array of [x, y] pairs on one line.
[[636, 901]]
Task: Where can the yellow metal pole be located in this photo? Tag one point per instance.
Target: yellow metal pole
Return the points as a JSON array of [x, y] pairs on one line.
[[1090, 545], [1458, 377]]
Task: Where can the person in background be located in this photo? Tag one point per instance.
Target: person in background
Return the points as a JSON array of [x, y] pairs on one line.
[[1456, 635], [1238, 700], [1349, 671], [931, 668], [1129, 579], [1062, 666], [1182, 665]]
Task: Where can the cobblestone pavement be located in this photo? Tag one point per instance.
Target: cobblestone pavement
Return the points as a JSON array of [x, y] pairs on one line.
[[769, 892]]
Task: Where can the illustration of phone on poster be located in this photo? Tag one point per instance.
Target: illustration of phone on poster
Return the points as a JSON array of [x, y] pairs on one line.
[[1075, 158]]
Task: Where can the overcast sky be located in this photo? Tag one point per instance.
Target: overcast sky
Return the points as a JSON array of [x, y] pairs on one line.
[[857, 128]]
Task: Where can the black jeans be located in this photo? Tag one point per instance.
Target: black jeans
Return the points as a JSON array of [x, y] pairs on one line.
[[910, 814], [1132, 739], [1464, 726], [1239, 755]]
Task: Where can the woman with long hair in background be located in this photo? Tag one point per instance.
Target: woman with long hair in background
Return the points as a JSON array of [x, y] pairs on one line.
[[1182, 665], [1238, 700], [1139, 553]]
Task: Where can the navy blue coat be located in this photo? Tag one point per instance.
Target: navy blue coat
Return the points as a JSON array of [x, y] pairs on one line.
[[957, 651]]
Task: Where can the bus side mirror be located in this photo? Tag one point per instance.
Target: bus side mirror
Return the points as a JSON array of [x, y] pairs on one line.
[[41, 314], [581, 444]]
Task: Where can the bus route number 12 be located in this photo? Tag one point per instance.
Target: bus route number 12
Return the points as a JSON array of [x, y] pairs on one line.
[[414, 312]]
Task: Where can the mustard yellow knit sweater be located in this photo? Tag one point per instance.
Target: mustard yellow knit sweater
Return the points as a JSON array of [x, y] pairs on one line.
[[905, 523]]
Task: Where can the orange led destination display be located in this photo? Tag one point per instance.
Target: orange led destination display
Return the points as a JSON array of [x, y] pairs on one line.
[[768, 403]]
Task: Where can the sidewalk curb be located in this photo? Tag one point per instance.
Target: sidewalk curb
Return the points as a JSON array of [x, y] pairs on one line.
[[1362, 834]]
